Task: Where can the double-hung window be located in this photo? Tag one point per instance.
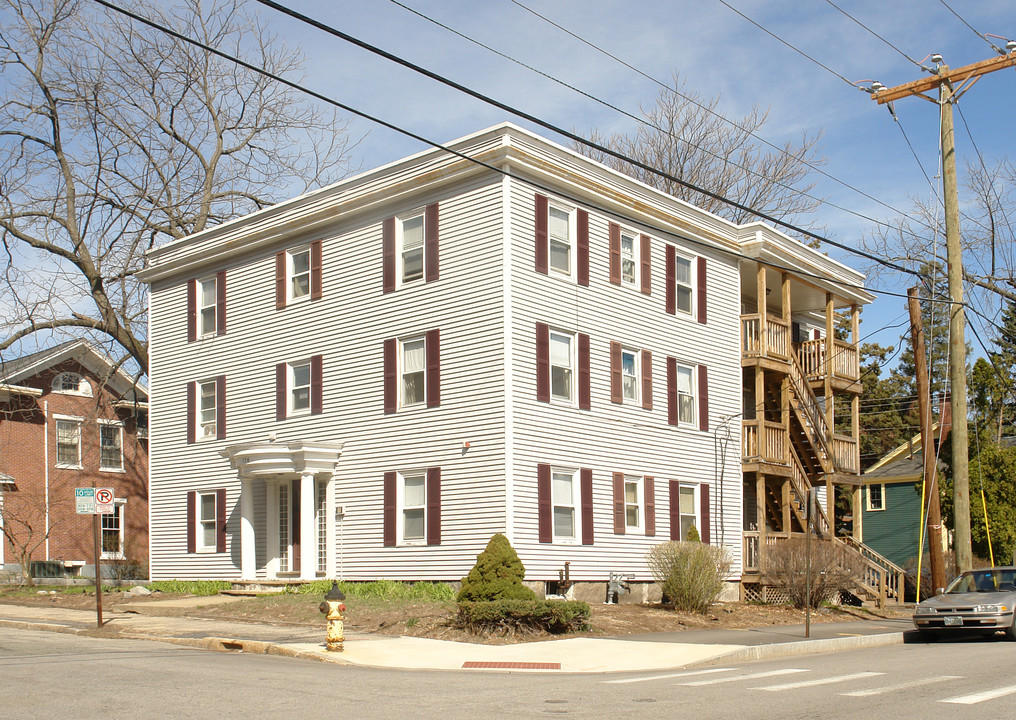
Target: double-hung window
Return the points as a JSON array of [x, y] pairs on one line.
[[683, 284], [413, 508], [112, 532], [207, 409], [876, 496], [110, 446], [628, 263], [68, 442], [633, 502], [688, 510], [561, 364], [413, 371], [299, 273], [630, 375], [207, 298], [206, 522], [563, 493], [685, 395], [411, 247], [559, 236], [299, 387]]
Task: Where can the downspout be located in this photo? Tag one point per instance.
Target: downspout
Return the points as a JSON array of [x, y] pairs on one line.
[[45, 459]]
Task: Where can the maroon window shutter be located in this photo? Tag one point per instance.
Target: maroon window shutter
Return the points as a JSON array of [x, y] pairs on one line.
[[192, 505], [704, 512], [388, 504], [675, 510], [388, 254], [192, 310], [432, 343], [703, 398], [586, 493], [647, 380], [582, 247], [618, 483], [431, 249], [671, 289], [646, 261], [585, 394], [615, 373], [316, 290], [542, 362], [192, 394], [220, 407], [220, 520], [816, 334], [649, 487], [702, 290], [281, 381], [391, 375], [672, 391], [544, 530], [615, 253], [280, 280], [542, 262], [220, 302], [434, 506], [295, 534], [316, 385]]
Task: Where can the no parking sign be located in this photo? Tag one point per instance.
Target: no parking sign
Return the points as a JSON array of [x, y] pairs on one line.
[[103, 501]]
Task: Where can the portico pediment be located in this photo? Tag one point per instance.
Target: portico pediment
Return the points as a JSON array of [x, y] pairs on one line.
[[282, 460]]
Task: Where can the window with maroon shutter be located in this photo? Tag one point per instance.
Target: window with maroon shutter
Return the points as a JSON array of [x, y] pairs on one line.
[[586, 493], [280, 280], [614, 235], [433, 345], [206, 521], [192, 509], [220, 303], [388, 254], [647, 380], [316, 288], [192, 310], [582, 247], [702, 290], [585, 394], [703, 398], [675, 510], [391, 379], [543, 507], [281, 391], [192, 393], [671, 391], [671, 284], [434, 506], [541, 251], [432, 257], [646, 262], [649, 488], [618, 493], [389, 508], [542, 362], [316, 385], [704, 512], [220, 520], [615, 373], [220, 407]]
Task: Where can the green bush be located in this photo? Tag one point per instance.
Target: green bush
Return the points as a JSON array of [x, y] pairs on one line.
[[507, 617], [693, 535], [190, 587], [690, 574], [497, 575]]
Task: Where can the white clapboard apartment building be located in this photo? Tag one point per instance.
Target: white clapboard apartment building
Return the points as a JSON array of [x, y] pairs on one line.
[[370, 380]]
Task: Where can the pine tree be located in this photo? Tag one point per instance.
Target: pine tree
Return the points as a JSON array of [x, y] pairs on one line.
[[497, 575]]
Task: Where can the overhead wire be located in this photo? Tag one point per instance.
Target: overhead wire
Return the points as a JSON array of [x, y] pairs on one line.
[[981, 35], [868, 29]]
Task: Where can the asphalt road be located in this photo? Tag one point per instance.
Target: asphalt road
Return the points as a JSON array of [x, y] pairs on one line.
[[47, 675]]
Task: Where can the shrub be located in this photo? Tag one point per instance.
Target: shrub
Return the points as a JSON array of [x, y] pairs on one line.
[[507, 617], [693, 535], [497, 575], [690, 574], [833, 569]]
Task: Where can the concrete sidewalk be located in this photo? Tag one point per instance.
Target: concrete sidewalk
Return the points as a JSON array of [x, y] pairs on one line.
[[635, 653]]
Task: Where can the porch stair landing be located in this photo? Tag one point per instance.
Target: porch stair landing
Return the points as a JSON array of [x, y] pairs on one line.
[[249, 588]]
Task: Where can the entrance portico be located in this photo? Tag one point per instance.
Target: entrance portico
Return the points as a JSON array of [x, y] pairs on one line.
[[300, 533]]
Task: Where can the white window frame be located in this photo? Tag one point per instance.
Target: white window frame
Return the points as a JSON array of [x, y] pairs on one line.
[[690, 285], [693, 395], [626, 397], [694, 492], [207, 328], [292, 275], [119, 515], [881, 504], [201, 522], [403, 372], [292, 388], [200, 412], [81, 387], [633, 257], [638, 504], [570, 368], [402, 508], [70, 420], [569, 241], [572, 504], [119, 445], [400, 246]]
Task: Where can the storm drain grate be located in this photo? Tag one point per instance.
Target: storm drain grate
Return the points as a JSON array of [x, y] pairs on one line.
[[511, 665]]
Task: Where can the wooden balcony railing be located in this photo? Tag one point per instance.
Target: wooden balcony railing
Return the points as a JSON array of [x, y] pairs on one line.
[[845, 454], [846, 362], [763, 441], [773, 343]]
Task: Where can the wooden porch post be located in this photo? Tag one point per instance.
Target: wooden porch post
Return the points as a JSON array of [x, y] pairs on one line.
[[830, 348], [856, 508], [785, 385], [786, 505], [763, 311], [760, 511], [855, 401]]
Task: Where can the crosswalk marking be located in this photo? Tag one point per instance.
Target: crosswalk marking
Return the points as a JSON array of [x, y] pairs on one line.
[[668, 677], [981, 696], [750, 676], [820, 681], [901, 686]]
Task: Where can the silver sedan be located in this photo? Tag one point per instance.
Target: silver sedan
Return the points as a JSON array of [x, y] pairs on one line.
[[979, 601]]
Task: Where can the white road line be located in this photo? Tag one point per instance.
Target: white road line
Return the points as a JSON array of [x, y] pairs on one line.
[[902, 686], [820, 681], [668, 677], [750, 676], [981, 696]]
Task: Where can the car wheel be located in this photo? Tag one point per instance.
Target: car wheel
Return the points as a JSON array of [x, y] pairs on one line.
[[928, 635]]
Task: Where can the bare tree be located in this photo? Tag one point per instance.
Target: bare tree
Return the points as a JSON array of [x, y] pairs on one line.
[[115, 137], [683, 135], [23, 521]]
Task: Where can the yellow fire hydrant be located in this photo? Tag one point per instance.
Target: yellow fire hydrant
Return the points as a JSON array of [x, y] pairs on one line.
[[333, 607]]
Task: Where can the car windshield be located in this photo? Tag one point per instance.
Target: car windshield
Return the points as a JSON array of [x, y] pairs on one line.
[[993, 580]]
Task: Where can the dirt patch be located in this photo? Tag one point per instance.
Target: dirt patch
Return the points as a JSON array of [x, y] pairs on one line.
[[435, 619]]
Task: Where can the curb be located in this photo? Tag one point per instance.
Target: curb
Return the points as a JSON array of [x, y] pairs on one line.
[[807, 647]]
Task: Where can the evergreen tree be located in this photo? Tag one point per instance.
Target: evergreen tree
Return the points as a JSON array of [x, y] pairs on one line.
[[935, 318], [885, 417], [497, 574], [1002, 379]]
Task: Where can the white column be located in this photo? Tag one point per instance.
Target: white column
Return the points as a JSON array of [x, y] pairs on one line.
[[248, 562], [330, 533], [308, 529]]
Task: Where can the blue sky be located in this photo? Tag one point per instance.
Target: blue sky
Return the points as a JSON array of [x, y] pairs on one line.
[[717, 51]]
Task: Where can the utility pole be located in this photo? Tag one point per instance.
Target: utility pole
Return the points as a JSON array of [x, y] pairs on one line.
[[943, 78], [927, 445]]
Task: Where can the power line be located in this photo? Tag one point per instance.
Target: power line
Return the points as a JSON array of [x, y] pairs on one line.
[[997, 49], [865, 27]]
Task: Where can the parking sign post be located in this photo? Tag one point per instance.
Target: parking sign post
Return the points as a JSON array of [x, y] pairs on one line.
[[95, 502]]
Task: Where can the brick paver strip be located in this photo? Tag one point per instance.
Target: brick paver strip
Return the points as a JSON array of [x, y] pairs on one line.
[[512, 665]]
